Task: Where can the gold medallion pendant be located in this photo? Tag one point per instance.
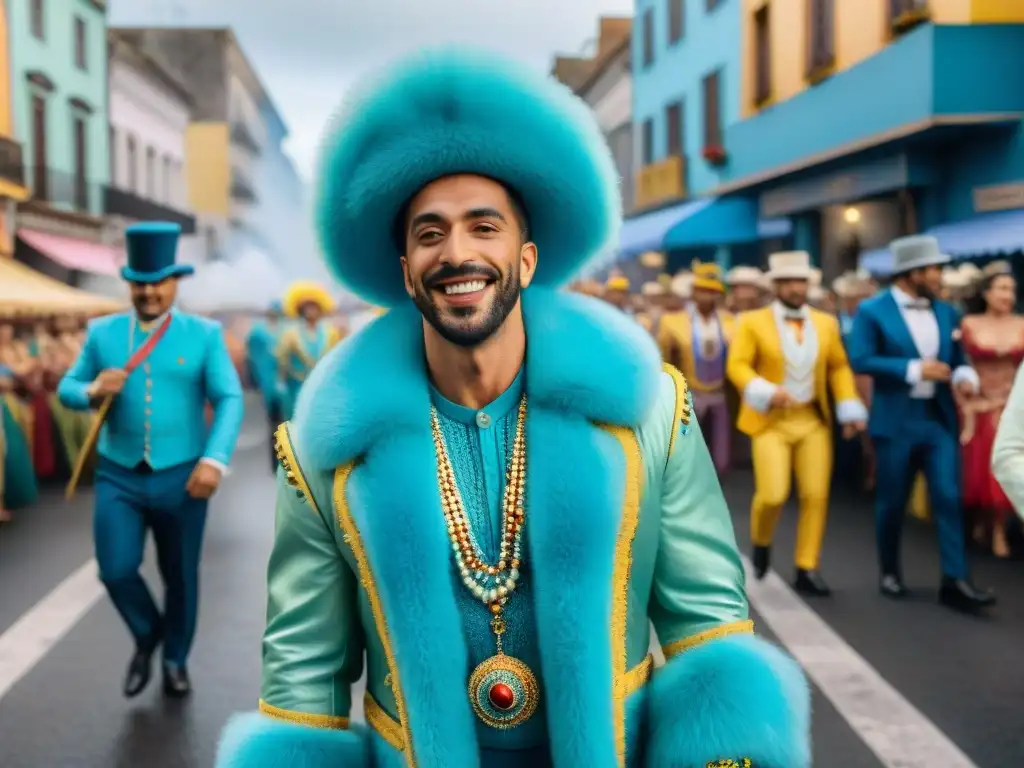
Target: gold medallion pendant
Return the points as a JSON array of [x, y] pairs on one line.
[[503, 691]]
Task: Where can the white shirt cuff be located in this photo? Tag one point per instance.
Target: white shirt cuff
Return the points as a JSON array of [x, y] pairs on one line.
[[914, 373], [219, 466], [758, 394], [851, 411], [966, 374]]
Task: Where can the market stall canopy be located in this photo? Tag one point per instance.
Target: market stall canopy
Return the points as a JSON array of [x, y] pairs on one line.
[[23, 291], [72, 253]]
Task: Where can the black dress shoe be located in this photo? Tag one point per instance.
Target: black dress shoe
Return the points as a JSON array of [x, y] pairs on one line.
[[176, 682], [810, 583], [762, 558], [961, 595], [140, 669], [892, 586]]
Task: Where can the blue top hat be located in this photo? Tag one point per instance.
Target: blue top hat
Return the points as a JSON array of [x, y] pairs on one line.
[[152, 247]]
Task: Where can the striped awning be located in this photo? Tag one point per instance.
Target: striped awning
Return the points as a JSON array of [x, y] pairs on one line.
[[23, 291]]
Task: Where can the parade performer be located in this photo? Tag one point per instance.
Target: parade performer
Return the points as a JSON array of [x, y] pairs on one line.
[[261, 349], [159, 462], [695, 341], [302, 344], [787, 359], [908, 342], [498, 488]]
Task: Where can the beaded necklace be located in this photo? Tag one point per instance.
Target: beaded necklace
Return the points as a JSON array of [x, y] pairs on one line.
[[502, 689]]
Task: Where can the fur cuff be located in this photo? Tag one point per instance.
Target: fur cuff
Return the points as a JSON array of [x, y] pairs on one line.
[[253, 740], [739, 697]]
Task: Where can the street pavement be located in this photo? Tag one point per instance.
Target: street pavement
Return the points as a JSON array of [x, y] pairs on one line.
[[962, 676]]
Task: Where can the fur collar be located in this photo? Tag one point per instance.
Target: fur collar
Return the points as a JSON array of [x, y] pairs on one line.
[[583, 358]]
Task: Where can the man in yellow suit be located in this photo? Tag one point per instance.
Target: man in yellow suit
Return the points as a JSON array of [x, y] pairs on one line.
[[695, 340], [784, 359]]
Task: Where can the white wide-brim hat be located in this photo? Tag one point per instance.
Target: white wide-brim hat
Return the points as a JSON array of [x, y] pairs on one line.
[[915, 252], [682, 285], [745, 276], [790, 265]]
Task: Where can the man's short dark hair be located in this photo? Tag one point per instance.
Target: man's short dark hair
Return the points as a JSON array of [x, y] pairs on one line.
[[401, 225]]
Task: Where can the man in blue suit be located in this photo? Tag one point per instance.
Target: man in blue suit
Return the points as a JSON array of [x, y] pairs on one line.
[[261, 348], [159, 461], [907, 341]]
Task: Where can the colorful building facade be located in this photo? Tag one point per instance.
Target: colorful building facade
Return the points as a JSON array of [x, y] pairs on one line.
[[58, 87], [12, 164], [865, 121], [687, 81]]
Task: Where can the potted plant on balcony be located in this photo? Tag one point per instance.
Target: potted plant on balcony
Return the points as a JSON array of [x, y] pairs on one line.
[[714, 154]]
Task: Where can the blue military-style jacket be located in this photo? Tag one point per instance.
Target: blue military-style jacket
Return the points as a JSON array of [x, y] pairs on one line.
[[160, 415]]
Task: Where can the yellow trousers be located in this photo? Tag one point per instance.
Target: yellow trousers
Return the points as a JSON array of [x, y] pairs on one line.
[[797, 442]]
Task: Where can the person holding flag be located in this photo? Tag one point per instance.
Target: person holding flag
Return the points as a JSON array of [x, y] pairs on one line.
[[149, 374]]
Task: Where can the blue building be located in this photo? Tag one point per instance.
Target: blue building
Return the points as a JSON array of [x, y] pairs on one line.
[[687, 75], [901, 119]]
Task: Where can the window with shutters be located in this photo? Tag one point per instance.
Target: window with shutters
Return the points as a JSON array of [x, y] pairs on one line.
[[676, 20], [674, 138], [131, 160], [907, 14], [81, 164], [151, 180], [821, 39], [40, 170], [648, 37], [762, 55], [712, 90], [647, 143]]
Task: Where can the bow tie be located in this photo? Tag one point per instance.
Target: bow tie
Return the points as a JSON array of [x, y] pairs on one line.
[[919, 304], [794, 317]]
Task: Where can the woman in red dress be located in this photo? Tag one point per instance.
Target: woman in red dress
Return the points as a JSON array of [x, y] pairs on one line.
[[993, 337]]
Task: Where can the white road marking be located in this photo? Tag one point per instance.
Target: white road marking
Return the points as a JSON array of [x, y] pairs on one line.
[[898, 733], [33, 635]]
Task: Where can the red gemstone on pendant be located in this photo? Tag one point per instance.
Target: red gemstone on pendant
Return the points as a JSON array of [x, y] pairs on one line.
[[501, 696]]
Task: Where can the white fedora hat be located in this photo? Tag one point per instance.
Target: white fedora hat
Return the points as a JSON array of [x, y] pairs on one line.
[[915, 252], [682, 285], [790, 265]]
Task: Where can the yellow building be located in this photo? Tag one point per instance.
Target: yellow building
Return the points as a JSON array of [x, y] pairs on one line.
[[12, 165], [809, 40], [865, 120]]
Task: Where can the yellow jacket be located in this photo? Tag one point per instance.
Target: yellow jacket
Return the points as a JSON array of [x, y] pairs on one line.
[[675, 339], [756, 352]]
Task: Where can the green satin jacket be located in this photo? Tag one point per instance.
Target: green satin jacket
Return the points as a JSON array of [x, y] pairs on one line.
[[627, 527]]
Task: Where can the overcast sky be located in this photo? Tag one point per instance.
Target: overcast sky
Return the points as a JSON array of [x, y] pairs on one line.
[[308, 51]]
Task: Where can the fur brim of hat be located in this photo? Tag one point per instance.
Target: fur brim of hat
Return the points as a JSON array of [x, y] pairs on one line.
[[449, 112]]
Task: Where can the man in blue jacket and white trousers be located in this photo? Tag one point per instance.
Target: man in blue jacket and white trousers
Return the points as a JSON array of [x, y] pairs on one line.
[[150, 372], [908, 342]]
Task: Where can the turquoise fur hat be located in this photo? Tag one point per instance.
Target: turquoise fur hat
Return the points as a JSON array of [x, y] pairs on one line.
[[152, 248], [448, 112]]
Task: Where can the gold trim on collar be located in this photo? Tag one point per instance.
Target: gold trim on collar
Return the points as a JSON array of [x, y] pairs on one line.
[[292, 470], [636, 678], [620, 578], [355, 543], [682, 407], [330, 722], [717, 633]]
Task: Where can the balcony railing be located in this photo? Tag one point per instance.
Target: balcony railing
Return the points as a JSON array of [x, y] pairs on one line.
[[12, 161], [68, 191], [661, 182], [122, 202], [242, 136]]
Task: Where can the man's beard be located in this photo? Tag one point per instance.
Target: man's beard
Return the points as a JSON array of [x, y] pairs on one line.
[[791, 304], [473, 325]]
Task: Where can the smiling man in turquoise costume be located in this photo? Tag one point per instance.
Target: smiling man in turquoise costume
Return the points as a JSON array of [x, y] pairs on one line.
[[155, 368], [492, 491]]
